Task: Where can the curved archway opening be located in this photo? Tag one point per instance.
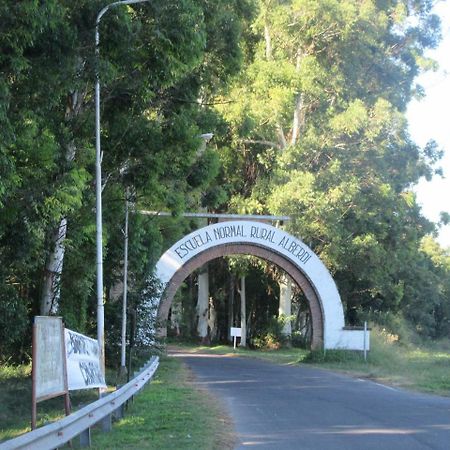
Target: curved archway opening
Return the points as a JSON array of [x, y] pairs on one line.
[[273, 245], [245, 249]]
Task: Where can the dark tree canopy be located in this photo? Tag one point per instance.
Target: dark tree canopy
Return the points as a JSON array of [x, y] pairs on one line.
[[306, 100]]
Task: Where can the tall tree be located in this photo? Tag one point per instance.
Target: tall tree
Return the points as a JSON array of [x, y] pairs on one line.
[[157, 60], [317, 121]]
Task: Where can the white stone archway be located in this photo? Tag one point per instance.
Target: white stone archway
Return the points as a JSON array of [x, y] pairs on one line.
[[273, 244]]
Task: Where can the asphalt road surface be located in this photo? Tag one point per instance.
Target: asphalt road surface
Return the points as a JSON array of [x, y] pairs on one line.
[[298, 407]]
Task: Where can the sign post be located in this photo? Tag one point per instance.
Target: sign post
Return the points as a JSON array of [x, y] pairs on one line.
[[365, 341], [235, 332]]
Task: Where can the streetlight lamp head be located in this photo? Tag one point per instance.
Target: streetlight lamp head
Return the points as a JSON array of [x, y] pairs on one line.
[[207, 136]]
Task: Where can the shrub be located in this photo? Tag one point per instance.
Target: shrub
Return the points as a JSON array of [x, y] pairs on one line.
[[13, 323], [272, 337]]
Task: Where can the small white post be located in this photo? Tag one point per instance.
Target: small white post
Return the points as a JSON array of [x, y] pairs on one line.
[[234, 342], [365, 341]]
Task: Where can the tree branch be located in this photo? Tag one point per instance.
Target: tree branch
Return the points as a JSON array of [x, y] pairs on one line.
[[260, 142]]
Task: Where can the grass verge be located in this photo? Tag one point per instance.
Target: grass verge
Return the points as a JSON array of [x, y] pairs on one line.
[[15, 401], [424, 368], [170, 413]]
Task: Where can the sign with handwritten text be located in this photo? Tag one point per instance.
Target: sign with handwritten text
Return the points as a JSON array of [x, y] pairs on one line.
[[83, 362]]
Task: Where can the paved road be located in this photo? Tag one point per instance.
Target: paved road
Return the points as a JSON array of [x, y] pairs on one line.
[[285, 407]]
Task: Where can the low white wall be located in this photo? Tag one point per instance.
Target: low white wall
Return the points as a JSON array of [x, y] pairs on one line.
[[349, 340]]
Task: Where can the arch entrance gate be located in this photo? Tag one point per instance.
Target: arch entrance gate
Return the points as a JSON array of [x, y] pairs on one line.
[[276, 246]]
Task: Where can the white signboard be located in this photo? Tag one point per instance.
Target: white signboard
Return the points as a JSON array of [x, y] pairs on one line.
[[83, 362], [48, 358], [235, 332]]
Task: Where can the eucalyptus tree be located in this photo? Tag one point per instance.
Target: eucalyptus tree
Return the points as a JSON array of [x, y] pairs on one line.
[[159, 63], [27, 164], [317, 120]]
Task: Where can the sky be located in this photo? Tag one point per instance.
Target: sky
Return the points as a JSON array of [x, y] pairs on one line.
[[428, 119]]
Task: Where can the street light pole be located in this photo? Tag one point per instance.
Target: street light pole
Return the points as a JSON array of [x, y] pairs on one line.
[[98, 186], [125, 291]]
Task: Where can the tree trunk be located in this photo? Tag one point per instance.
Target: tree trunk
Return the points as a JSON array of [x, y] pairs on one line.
[[298, 119], [202, 303], [189, 308], [281, 137], [176, 316], [231, 306], [269, 57], [268, 42], [304, 325], [212, 320], [243, 313], [51, 287], [285, 303]]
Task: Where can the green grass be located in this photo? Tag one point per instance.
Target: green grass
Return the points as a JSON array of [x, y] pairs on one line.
[[423, 368], [170, 413], [281, 356], [15, 401]]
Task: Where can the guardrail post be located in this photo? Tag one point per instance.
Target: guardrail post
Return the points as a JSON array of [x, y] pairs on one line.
[[85, 438], [106, 423], [119, 412]]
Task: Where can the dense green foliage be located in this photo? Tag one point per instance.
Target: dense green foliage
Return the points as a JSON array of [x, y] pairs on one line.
[[306, 99], [317, 118], [158, 63]]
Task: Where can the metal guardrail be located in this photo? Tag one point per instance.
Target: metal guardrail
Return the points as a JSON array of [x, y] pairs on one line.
[[79, 423]]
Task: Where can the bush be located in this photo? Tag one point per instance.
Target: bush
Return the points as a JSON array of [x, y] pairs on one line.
[[299, 340], [272, 337], [332, 356], [394, 326], [386, 350], [13, 323]]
